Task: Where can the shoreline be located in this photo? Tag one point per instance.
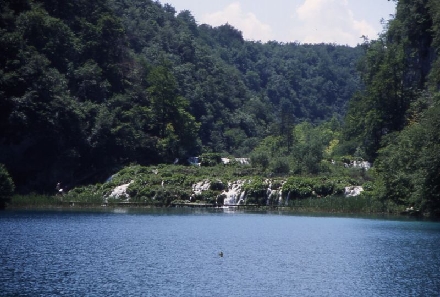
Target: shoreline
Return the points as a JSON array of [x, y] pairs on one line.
[[336, 204], [229, 208]]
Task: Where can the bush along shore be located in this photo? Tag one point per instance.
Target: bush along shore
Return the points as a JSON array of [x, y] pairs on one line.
[[343, 190]]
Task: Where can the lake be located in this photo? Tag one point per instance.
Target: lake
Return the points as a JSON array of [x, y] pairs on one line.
[[175, 252]]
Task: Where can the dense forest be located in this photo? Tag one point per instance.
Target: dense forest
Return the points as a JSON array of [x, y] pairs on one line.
[[88, 87], [395, 121]]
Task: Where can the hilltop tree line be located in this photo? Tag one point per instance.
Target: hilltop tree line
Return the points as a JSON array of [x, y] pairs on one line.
[[87, 87]]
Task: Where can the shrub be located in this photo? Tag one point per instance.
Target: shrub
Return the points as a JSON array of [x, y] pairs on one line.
[[256, 191], [260, 159], [299, 187], [210, 159], [323, 187], [217, 185], [280, 166]]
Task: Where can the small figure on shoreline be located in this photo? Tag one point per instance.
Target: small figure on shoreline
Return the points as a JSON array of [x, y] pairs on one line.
[[59, 189]]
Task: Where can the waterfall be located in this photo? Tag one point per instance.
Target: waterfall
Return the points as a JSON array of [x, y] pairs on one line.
[[233, 192], [230, 198], [269, 193], [243, 161], [272, 194], [353, 191], [287, 199], [225, 160], [361, 164], [119, 192], [199, 187], [242, 198]]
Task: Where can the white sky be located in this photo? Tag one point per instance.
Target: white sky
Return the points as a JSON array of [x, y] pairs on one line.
[[306, 21]]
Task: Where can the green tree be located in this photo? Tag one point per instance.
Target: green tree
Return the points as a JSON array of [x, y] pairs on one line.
[[408, 166], [172, 122], [287, 122]]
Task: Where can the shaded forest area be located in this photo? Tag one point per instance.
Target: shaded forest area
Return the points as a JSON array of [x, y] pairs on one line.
[[88, 87]]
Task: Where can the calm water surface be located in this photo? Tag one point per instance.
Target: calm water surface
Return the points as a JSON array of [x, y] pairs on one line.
[[176, 253]]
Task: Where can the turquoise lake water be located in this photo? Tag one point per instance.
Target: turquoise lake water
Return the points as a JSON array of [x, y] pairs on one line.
[[175, 252]]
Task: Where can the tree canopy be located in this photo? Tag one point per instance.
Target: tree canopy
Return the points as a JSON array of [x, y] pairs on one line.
[[394, 121], [87, 87]]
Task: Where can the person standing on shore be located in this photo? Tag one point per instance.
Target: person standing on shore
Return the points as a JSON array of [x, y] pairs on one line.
[[59, 189]]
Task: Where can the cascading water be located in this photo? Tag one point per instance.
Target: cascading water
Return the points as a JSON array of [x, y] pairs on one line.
[[119, 192], [269, 193], [274, 197], [287, 199], [242, 199], [230, 198], [353, 191], [199, 187], [235, 195], [233, 192], [274, 193], [242, 161]]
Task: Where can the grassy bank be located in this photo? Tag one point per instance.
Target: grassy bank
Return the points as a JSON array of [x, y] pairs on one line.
[[341, 204], [34, 201], [362, 204], [171, 185]]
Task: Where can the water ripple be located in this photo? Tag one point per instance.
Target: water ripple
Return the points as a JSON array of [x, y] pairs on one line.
[[176, 254]]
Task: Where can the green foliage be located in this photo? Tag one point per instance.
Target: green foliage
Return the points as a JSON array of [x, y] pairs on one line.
[[305, 187], [395, 117], [166, 185], [217, 185], [210, 159], [89, 87], [92, 195], [256, 191], [260, 159], [408, 165], [394, 69], [6, 186], [35, 200], [341, 204], [299, 187], [309, 146], [280, 166]]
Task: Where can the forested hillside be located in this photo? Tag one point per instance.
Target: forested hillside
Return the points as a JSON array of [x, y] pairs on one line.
[[87, 87], [396, 119]]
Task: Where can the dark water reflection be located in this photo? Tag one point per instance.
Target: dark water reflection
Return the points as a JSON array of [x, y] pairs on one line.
[[175, 253]]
